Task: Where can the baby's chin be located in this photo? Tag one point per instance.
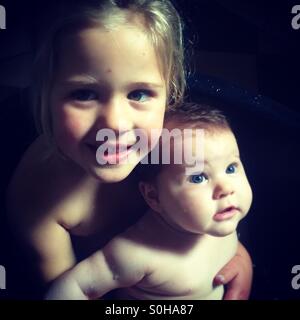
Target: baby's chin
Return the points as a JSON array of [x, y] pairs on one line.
[[224, 229], [221, 233]]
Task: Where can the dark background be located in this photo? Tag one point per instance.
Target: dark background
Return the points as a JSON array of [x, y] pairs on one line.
[[241, 54]]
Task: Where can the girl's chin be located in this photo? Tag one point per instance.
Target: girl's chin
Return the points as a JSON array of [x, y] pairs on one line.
[[112, 173]]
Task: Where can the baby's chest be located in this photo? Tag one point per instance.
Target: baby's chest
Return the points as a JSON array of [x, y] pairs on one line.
[[186, 277], [190, 276]]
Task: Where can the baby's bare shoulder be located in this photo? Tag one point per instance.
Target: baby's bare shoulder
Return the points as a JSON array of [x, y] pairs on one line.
[[134, 245], [127, 255]]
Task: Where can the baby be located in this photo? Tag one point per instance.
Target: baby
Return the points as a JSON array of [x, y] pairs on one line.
[[190, 225]]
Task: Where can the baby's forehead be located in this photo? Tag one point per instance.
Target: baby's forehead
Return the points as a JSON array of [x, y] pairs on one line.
[[206, 145]]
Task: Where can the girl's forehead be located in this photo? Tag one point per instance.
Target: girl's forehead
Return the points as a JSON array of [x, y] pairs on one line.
[[96, 46], [107, 23]]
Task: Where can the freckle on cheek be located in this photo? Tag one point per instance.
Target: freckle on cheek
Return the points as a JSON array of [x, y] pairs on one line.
[[108, 71]]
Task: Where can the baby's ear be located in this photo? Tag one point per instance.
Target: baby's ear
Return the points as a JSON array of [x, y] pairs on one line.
[[150, 194]]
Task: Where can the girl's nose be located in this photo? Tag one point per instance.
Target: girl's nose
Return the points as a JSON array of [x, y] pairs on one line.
[[223, 189], [115, 115]]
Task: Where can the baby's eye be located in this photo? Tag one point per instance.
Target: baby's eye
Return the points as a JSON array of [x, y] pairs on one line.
[[231, 168], [139, 95], [198, 178], [84, 95]]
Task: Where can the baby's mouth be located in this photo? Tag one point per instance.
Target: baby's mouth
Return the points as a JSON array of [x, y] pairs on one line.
[[228, 209], [226, 213]]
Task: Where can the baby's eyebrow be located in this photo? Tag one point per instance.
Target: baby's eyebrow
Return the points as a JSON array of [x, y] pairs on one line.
[[206, 162], [231, 157]]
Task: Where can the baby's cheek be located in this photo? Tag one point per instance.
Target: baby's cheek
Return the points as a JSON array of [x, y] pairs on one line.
[[245, 196], [250, 196]]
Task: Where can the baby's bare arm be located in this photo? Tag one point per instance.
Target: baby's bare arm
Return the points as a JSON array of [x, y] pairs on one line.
[[118, 265]]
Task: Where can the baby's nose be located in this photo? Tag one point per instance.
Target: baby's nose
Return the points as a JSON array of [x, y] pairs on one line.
[[222, 190]]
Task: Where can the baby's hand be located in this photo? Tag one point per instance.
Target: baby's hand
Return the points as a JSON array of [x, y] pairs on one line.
[[65, 287], [237, 276]]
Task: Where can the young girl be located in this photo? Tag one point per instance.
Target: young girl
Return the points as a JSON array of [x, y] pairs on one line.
[[104, 64]]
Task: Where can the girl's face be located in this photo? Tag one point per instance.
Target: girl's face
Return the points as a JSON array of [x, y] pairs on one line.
[[107, 79]]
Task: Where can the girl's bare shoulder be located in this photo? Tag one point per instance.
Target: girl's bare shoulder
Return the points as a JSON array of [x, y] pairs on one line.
[[39, 184]]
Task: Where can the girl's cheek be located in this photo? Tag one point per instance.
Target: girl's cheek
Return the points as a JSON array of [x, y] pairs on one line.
[[74, 127], [69, 128]]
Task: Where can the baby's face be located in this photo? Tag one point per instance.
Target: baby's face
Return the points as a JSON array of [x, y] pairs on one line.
[[212, 201], [107, 79]]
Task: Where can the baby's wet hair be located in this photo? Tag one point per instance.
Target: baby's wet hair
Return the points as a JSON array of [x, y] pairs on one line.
[[203, 115]]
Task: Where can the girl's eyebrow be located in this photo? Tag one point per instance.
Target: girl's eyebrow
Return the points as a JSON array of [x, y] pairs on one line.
[[94, 81], [147, 84], [68, 83], [79, 81]]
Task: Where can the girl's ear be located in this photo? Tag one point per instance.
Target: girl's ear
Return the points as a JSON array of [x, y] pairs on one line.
[[150, 194]]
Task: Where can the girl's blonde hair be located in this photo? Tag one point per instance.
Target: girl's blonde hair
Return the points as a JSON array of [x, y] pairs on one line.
[[161, 22]]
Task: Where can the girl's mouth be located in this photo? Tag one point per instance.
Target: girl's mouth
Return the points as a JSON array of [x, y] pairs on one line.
[[111, 153]]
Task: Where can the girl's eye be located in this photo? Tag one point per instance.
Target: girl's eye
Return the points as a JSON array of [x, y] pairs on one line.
[[198, 178], [84, 95], [231, 168], [139, 95]]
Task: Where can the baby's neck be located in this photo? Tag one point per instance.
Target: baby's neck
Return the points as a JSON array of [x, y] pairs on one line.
[[171, 233]]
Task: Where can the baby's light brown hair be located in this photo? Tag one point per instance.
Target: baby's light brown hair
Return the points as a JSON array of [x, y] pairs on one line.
[[188, 115]]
